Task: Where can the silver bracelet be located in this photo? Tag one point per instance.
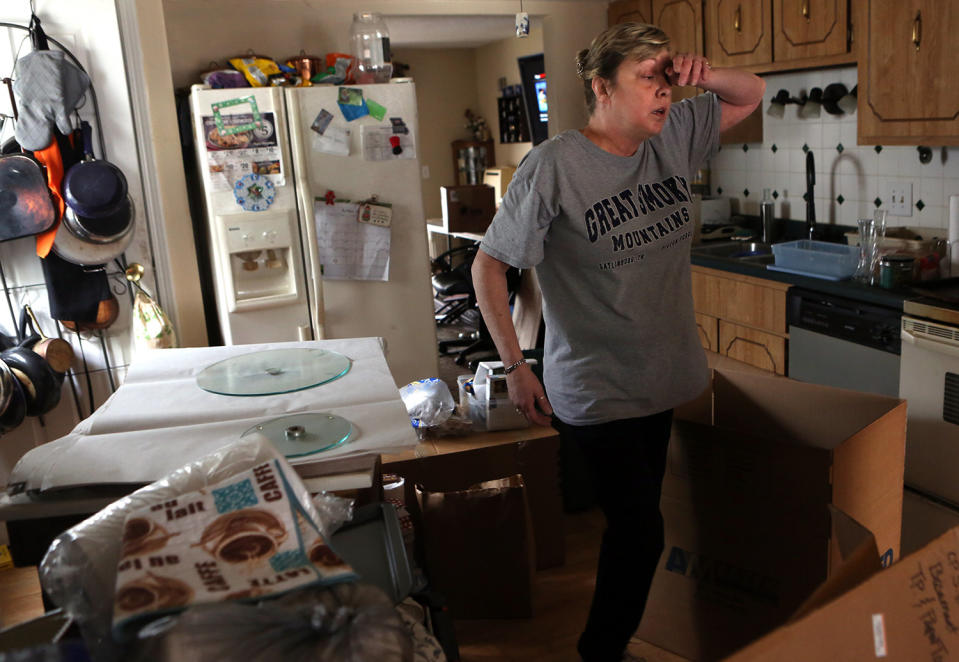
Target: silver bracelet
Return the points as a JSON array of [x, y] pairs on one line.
[[513, 366]]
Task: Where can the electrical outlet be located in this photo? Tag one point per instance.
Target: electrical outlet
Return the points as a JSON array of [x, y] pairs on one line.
[[899, 199], [426, 172]]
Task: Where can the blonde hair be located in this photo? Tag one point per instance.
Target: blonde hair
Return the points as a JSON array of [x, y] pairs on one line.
[[632, 41]]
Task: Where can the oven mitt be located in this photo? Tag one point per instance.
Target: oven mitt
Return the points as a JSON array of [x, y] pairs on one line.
[[48, 89], [51, 158]]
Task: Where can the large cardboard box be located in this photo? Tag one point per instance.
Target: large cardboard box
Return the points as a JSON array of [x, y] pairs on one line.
[[754, 466], [467, 208], [903, 613]]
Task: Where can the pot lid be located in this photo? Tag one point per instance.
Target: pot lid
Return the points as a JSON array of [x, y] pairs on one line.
[[95, 188]]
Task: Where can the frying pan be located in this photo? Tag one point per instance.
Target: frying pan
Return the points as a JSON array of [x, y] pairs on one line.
[[14, 408], [94, 188], [41, 386], [107, 312], [27, 206]]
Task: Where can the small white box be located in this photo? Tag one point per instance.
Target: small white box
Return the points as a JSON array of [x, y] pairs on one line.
[[489, 406]]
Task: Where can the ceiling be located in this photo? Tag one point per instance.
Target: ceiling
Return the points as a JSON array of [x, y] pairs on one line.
[[451, 31]]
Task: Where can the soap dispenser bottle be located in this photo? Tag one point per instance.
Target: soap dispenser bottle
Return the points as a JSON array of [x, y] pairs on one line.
[[767, 216]]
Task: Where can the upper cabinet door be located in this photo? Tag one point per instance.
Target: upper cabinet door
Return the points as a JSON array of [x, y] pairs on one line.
[[810, 28], [629, 11], [682, 21], [904, 94], [739, 32]]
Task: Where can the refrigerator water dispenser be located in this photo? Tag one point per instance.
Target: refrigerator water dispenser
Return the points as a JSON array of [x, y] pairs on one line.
[[260, 268]]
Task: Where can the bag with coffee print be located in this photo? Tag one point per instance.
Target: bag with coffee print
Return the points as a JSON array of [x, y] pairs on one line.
[[246, 537], [80, 574]]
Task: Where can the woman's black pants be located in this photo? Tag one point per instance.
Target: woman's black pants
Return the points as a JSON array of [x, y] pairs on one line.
[[626, 461]]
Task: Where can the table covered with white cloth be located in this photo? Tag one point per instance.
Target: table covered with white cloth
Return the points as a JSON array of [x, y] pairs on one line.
[[160, 419]]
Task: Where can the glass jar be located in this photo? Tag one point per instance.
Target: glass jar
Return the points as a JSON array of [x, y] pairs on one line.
[[895, 271], [371, 48]]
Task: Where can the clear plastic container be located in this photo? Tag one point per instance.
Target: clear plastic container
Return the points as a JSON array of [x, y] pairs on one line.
[[371, 48], [817, 257]]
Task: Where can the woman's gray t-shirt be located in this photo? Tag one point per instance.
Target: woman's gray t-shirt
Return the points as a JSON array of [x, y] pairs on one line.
[[610, 237]]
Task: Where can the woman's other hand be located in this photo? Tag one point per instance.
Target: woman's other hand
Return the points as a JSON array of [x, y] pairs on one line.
[[688, 69], [527, 395]]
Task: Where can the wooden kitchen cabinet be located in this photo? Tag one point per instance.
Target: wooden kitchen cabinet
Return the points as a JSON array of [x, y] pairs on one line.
[[757, 348], [682, 20], [905, 63], [738, 33], [708, 327], [749, 314], [766, 36], [809, 29], [629, 11]]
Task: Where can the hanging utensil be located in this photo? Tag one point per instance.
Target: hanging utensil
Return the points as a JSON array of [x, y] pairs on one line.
[[107, 312], [41, 386], [12, 397], [27, 207], [57, 352], [94, 188], [94, 241]]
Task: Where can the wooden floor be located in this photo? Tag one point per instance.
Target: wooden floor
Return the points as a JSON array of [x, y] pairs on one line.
[[561, 600]]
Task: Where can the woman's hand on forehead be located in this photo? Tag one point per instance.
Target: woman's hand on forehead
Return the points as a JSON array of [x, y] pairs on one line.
[[688, 69]]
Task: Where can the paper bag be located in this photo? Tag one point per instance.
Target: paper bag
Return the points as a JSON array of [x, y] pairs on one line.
[[478, 548]]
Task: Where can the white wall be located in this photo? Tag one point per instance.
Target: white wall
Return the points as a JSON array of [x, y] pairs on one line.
[[859, 174], [445, 88], [496, 60]]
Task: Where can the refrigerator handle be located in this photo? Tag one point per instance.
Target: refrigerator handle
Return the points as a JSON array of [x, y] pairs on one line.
[[304, 202]]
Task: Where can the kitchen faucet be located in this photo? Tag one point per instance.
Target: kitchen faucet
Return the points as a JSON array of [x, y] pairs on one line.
[[810, 204]]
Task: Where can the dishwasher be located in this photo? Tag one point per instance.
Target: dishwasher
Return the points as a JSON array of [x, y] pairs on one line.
[[842, 342]]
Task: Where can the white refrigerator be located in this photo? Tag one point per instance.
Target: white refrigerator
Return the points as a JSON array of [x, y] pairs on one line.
[[315, 217]]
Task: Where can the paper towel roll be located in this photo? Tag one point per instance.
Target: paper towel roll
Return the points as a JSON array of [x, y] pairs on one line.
[[953, 235]]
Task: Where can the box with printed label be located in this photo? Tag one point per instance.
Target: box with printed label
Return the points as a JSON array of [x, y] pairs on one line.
[[899, 614]]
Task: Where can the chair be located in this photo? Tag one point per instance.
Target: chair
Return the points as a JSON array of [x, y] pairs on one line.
[[455, 297], [453, 283]]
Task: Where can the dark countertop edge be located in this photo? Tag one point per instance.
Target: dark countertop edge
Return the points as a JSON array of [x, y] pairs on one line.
[[843, 288]]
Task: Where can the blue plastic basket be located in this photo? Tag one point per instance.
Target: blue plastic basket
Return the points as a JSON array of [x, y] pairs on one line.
[[817, 257]]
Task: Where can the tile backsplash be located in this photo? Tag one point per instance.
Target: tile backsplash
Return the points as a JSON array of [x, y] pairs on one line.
[[851, 180]]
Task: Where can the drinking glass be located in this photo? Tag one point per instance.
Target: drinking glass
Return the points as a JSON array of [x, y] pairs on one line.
[[879, 233], [867, 246]]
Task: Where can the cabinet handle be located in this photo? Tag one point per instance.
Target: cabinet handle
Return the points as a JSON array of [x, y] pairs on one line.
[[805, 9], [738, 19], [917, 30], [761, 346]]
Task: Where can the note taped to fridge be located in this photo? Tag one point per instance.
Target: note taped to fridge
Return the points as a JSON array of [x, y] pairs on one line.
[[377, 146], [348, 249]]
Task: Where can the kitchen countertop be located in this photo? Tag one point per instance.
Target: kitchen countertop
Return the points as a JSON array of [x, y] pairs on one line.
[[850, 289]]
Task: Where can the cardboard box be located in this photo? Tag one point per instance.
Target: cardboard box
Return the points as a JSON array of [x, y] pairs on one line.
[[467, 208], [754, 466], [906, 612], [499, 178]]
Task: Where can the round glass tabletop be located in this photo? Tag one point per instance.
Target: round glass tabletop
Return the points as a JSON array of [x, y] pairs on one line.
[[273, 371], [305, 434]]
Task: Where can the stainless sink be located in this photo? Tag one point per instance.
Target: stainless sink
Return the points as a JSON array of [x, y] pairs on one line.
[[748, 251]]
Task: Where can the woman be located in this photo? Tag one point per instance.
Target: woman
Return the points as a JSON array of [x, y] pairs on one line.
[[603, 213]]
